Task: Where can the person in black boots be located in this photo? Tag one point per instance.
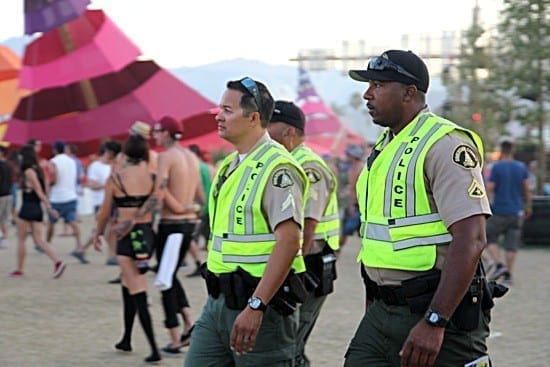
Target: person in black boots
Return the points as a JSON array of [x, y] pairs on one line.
[[128, 189]]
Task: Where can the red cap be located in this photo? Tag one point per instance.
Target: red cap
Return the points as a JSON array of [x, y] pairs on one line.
[[170, 124]]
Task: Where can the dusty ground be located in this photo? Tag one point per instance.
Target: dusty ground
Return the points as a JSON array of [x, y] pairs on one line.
[[75, 320]]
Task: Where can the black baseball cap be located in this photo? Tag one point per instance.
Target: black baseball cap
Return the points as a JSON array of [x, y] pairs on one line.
[[395, 66], [289, 113]]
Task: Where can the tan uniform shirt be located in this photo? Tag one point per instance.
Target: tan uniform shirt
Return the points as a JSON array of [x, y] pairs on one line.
[[455, 190]]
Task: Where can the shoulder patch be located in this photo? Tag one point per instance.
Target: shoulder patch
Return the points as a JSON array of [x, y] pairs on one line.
[[313, 175], [465, 156], [476, 190], [282, 178]]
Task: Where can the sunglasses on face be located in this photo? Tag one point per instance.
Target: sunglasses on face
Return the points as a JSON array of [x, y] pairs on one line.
[[381, 63], [252, 89]]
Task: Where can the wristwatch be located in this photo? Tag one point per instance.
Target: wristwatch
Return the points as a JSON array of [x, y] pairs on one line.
[[257, 304], [434, 318]]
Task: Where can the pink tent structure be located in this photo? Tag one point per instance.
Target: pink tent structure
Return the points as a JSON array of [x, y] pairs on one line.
[[88, 86], [86, 47], [324, 130]]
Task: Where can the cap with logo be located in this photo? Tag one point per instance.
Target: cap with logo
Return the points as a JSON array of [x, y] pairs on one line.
[[395, 66], [289, 113]]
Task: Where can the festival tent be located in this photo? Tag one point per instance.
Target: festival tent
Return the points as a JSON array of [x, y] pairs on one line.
[[324, 130], [104, 90]]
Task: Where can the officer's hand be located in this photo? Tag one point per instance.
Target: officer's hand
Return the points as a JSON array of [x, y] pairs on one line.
[[245, 330], [422, 345]]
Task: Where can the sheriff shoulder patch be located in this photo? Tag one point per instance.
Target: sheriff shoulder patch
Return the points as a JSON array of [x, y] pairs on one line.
[[282, 179], [464, 156], [313, 175], [476, 190]]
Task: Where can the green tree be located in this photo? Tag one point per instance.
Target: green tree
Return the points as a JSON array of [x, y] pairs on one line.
[[523, 70]]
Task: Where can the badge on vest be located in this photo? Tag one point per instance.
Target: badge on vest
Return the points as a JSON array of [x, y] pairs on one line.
[[313, 175], [476, 190], [465, 157], [282, 179]]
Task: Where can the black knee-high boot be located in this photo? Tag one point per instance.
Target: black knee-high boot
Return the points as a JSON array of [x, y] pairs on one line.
[[129, 311], [145, 319]]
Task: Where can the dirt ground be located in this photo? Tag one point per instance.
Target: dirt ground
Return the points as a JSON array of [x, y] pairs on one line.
[[76, 320]]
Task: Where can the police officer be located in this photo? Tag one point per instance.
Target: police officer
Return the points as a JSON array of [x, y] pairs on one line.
[[321, 224], [256, 215], [423, 209]]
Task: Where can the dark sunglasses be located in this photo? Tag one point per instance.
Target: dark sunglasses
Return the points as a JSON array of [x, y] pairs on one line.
[[381, 63], [252, 88]]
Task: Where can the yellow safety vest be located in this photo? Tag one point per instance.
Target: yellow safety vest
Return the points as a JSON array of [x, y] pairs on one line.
[[240, 233], [328, 227], [399, 229]]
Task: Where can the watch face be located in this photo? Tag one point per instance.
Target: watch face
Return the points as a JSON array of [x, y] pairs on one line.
[[255, 302], [434, 317]]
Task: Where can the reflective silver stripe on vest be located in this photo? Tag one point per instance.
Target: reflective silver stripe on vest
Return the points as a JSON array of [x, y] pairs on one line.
[[253, 259], [411, 194], [240, 190], [410, 208], [380, 232], [329, 218], [419, 241], [322, 236], [244, 238], [249, 218], [419, 219]]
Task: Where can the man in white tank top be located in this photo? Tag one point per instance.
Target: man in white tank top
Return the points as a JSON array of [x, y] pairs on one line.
[[63, 195]]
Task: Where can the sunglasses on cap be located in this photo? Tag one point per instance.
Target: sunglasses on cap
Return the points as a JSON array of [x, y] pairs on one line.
[[381, 64], [252, 89]]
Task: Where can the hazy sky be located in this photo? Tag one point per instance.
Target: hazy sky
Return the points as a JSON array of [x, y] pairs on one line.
[[190, 33]]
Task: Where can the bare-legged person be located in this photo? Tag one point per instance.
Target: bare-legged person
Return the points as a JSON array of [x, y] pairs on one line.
[[31, 215]]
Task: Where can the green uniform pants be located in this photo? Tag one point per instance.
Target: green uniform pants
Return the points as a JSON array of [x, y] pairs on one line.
[[309, 312], [275, 343], [384, 329]]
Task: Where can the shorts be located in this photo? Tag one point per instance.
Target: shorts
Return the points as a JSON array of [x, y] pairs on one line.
[[508, 226], [66, 210], [124, 246], [31, 212], [5, 208]]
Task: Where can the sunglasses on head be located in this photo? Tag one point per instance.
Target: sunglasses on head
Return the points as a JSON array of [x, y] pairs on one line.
[[381, 63], [252, 89]]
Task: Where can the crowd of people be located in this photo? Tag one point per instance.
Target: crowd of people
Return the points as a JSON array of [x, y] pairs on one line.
[[272, 217]]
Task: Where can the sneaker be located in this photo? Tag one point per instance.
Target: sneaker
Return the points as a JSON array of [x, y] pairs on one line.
[[114, 281], [169, 349], [111, 261], [79, 255], [185, 338], [17, 274], [59, 268], [38, 249], [500, 270]]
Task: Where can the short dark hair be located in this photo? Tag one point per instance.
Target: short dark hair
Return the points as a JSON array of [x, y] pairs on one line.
[[136, 148], [249, 105], [506, 147], [112, 146]]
